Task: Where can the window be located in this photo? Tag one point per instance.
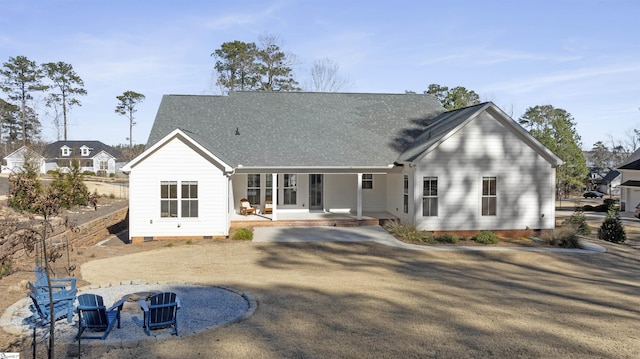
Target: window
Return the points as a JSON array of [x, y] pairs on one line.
[[66, 151], [188, 199], [168, 199], [430, 196], [268, 190], [84, 151], [489, 198], [104, 165], [406, 193], [367, 181], [189, 195], [289, 189], [253, 188]]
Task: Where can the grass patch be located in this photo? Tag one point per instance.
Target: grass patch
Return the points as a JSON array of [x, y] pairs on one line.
[[243, 234]]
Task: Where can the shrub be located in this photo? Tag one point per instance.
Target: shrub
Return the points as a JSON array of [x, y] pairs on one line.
[[578, 221], [446, 238], [243, 234], [565, 237], [88, 173], [611, 229], [170, 245], [407, 232], [486, 237]]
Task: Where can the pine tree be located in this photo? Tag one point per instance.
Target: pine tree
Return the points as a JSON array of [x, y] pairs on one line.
[[611, 229]]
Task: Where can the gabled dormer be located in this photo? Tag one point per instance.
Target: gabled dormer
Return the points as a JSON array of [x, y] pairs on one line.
[[85, 151], [66, 151]]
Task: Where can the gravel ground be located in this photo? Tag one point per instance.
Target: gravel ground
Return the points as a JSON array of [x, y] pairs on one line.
[[202, 308]]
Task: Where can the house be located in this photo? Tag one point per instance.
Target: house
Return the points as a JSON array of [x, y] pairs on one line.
[[400, 154], [93, 156], [609, 184], [630, 182], [15, 160]]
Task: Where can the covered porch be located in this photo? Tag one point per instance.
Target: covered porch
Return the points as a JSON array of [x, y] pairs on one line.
[[310, 218]]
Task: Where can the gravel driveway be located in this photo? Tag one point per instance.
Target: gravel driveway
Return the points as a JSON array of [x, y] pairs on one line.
[[365, 300]]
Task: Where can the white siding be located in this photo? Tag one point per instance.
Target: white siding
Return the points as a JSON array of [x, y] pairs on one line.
[[340, 192], [485, 148], [176, 161], [630, 196]]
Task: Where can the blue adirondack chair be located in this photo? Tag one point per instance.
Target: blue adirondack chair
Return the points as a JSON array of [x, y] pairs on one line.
[[66, 285], [62, 304], [94, 316], [161, 312]]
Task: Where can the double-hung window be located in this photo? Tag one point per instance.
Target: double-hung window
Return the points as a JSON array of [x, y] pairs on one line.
[[367, 181], [186, 194], [168, 199], [405, 191], [253, 188], [430, 196], [189, 202], [489, 197]]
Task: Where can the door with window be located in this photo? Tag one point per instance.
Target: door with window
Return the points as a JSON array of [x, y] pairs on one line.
[[315, 191]]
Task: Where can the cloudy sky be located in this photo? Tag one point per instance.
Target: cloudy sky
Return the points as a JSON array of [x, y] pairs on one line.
[[579, 55]]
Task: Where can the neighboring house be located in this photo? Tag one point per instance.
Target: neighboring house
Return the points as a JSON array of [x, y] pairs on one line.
[[466, 170], [610, 183], [15, 160], [630, 182], [93, 156]]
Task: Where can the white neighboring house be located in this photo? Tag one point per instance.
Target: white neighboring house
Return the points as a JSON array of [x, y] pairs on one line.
[[459, 171], [93, 156], [630, 182], [15, 160]]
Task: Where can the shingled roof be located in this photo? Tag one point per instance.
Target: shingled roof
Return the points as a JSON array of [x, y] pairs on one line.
[[299, 129], [52, 151], [632, 162]]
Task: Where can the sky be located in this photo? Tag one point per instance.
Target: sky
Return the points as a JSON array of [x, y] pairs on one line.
[[579, 55]]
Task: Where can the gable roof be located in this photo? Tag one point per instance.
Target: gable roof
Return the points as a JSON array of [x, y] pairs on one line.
[[299, 129], [448, 123], [20, 152], [52, 151], [632, 162]]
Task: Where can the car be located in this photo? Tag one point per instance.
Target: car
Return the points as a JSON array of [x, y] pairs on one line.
[[637, 212], [593, 194]]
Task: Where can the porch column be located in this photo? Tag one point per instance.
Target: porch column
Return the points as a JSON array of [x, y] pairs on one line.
[[359, 210], [274, 196]]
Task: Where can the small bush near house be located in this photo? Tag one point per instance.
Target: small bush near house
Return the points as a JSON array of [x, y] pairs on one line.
[[578, 221], [406, 232], [565, 237], [486, 237], [243, 234], [446, 238], [170, 244], [88, 173], [611, 229]]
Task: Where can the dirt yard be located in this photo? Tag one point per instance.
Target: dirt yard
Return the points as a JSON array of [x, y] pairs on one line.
[[360, 300], [363, 300]]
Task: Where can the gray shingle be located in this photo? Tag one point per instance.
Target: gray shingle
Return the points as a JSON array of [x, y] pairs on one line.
[[299, 129]]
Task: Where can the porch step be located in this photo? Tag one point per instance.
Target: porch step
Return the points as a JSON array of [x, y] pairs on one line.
[[347, 222]]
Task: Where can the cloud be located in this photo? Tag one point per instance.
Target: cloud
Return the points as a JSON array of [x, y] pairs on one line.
[[484, 57], [565, 78], [230, 20]]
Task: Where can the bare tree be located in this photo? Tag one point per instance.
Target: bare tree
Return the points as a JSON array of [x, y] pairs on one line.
[[326, 77]]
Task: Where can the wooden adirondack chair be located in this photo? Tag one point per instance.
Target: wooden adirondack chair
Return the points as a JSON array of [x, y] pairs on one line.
[[268, 205], [94, 316], [161, 312], [62, 305], [246, 207]]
